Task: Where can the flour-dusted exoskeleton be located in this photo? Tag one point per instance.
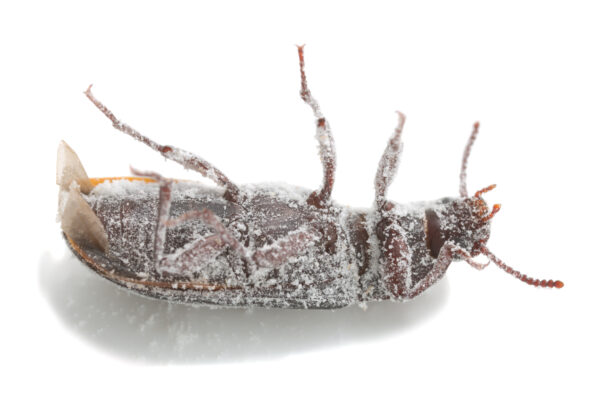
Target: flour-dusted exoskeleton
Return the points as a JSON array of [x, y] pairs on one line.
[[267, 245]]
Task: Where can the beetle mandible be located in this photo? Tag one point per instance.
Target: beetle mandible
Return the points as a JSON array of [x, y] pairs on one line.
[[268, 245]]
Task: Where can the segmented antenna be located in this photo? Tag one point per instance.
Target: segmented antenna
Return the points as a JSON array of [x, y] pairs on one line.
[[463, 168], [524, 278], [484, 190], [495, 209]]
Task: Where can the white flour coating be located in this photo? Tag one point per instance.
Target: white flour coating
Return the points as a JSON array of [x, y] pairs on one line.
[[271, 245], [311, 278], [302, 271]]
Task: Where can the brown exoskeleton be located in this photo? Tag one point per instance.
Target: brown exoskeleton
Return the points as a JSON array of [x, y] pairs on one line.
[[274, 246]]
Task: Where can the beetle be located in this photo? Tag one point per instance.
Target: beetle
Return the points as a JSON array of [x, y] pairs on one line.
[[268, 245]]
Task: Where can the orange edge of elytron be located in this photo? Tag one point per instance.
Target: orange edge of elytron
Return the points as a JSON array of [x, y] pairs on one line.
[[97, 181]]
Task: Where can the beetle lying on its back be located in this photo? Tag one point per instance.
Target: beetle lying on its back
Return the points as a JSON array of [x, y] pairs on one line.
[[274, 246]]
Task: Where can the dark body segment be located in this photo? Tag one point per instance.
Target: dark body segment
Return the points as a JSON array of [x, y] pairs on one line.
[[323, 275]]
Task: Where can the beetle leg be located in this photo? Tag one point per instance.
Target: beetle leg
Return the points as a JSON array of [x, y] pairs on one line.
[[164, 208], [268, 256], [463, 166], [207, 246], [465, 256], [185, 158], [203, 250], [319, 198], [388, 164], [271, 256], [203, 246], [280, 251], [209, 218], [397, 269], [443, 261]]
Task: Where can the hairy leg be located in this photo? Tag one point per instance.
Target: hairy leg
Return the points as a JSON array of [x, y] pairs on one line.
[[396, 255], [443, 261], [462, 189], [280, 251], [388, 164], [183, 157], [319, 198], [397, 267], [204, 248]]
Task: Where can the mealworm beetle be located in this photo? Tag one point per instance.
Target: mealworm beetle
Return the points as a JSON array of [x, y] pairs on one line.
[[268, 245]]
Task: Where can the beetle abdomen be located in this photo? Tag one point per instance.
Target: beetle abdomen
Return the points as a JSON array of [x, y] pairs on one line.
[[316, 278]]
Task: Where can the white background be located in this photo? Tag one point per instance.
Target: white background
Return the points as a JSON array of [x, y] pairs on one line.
[[221, 79]]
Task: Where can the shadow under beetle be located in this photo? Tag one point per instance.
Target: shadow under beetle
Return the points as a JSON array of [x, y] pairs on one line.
[[267, 245]]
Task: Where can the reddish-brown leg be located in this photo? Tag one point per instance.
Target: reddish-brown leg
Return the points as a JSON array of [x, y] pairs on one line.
[[442, 263], [396, 257], [463, 167], [183, 157], [204, 248], [289, 246], [164, 208], [202, 251], [207, 247], [388, 164], [468, 258], [210, 219], [398, 269], [319, 198], [268, 256], [447, 253]]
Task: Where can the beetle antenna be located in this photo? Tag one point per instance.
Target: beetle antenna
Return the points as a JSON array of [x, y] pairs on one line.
[[495, 209], [484, 190], [530, 281], [463, 168]]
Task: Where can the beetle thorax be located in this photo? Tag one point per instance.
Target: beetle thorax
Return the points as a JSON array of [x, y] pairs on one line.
[[460, 220]]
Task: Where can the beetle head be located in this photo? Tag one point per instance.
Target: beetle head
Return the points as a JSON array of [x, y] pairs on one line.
[[463, 221], [467, 223]]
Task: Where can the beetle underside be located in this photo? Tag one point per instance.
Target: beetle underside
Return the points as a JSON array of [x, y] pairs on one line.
[[273, 246], [320, 275]]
